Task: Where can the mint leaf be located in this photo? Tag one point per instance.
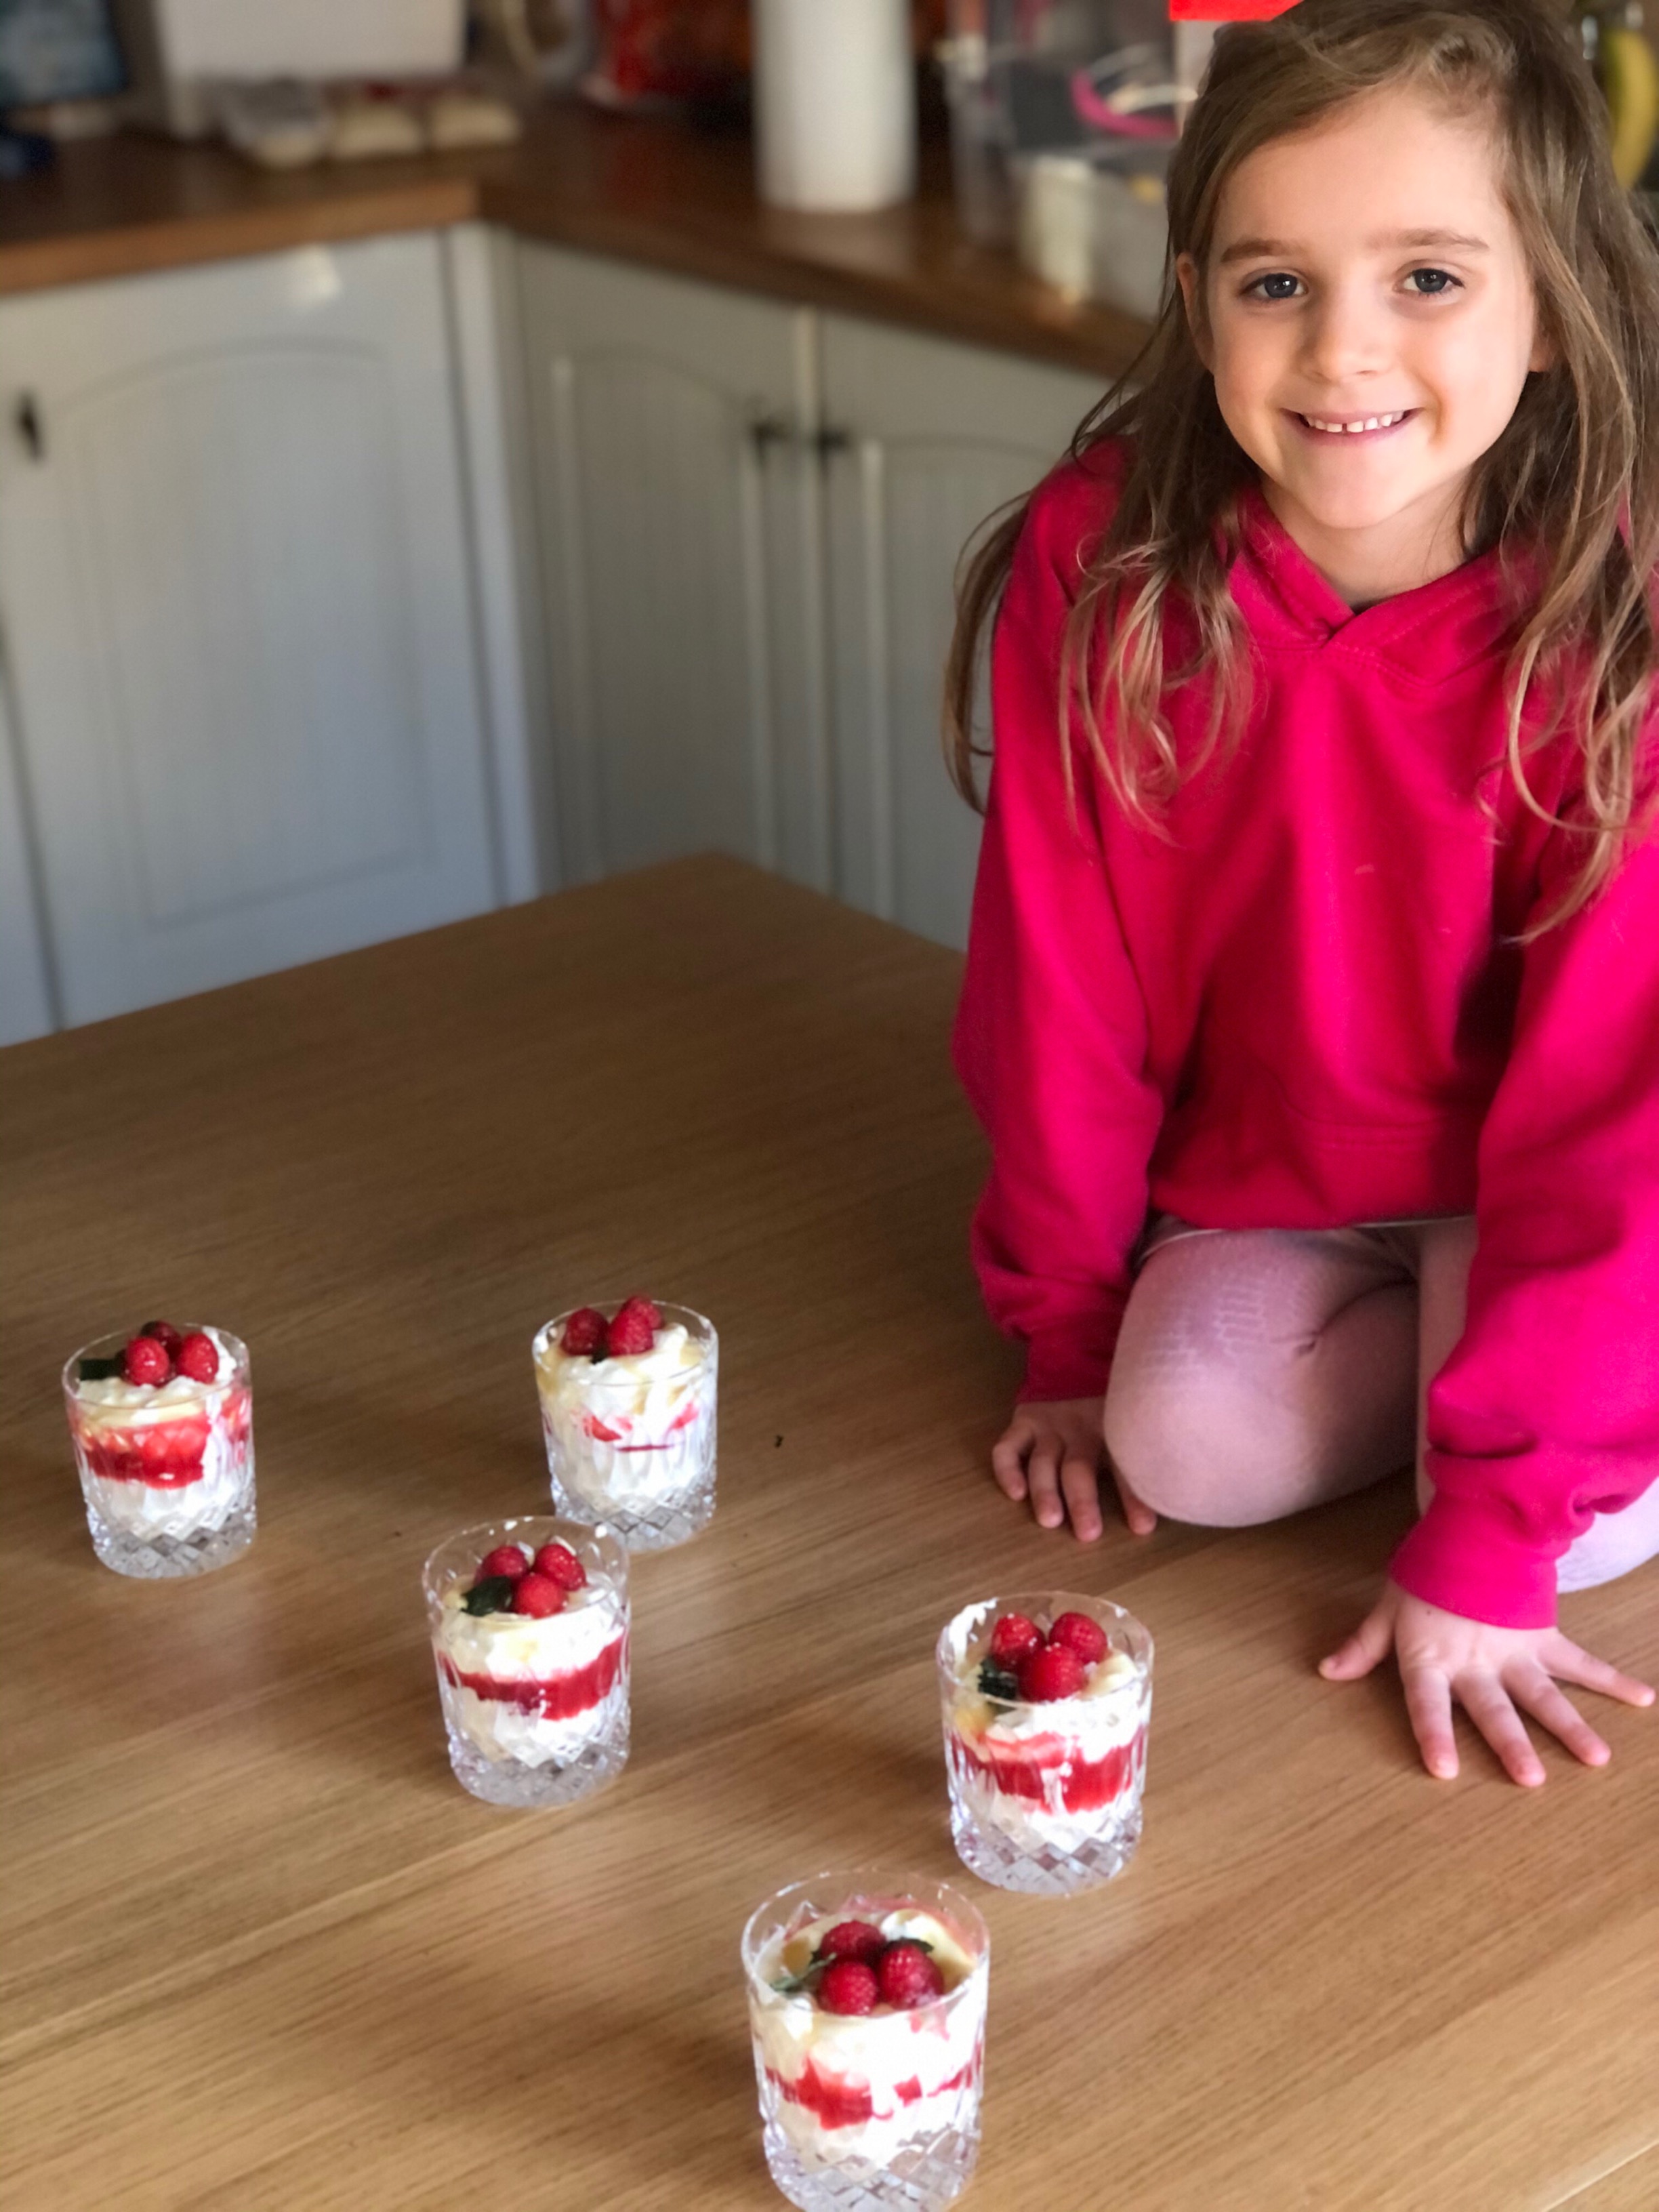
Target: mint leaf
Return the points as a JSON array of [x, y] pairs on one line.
[[997, 1684], [493, 1594], [102, 1370]]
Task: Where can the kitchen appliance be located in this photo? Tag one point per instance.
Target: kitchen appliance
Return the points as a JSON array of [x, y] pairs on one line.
[[179, 50]]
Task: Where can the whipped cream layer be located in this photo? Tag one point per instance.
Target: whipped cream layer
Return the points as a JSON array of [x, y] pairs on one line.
[[848, 2089], [537, 1691], [1045, 1775], [167, 1459], [634, 1432]]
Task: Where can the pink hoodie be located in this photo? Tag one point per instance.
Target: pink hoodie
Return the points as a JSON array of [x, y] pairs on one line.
[[1306, 1009]]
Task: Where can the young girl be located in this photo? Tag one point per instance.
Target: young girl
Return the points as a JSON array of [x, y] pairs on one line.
[[1312, 1003]]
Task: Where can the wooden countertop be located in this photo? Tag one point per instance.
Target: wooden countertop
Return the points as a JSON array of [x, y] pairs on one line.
[[260, 1950], [644, 191]]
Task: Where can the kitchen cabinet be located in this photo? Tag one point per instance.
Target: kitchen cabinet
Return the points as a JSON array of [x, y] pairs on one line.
[[680, 544], [26, 1002], [235, 582], [926, 440], [750, 517]]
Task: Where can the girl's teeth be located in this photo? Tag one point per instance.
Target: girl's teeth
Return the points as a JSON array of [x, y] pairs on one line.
[[1371, 423]]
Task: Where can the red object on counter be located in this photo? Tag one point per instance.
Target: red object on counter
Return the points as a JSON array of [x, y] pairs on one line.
[[1227, 11]]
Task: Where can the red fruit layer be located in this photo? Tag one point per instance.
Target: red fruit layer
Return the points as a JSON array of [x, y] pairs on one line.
[[837, 2102], [601, 1433], [166, 1455], [1086, 1785], [560, 1698]]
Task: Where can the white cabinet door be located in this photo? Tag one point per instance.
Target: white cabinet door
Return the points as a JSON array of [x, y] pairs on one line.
[[937, 436], [25, 1003], [679, 542], [234, 574]]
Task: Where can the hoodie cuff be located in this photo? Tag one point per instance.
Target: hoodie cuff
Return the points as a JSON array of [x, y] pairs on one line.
[[1074, 1361], [1464, 1556]]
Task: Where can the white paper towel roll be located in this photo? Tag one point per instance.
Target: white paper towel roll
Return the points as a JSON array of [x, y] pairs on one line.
[[835, 103]]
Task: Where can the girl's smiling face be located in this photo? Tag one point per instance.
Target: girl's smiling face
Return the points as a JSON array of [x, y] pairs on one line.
[[1367, 272]]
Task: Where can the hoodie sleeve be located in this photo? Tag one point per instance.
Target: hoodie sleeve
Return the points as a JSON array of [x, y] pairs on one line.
[[1547, 1413], [1051, 1034]]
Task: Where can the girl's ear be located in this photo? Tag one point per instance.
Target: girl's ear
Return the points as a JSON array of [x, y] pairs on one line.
[[1191, 294]]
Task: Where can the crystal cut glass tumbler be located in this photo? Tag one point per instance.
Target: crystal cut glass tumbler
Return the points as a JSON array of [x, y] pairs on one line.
[[1046, 1796], [631, 1440], [864, 2111], [535, 1706], [166, 1469]]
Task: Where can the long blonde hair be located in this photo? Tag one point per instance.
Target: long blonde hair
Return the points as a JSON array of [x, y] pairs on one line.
[[1571, 485]]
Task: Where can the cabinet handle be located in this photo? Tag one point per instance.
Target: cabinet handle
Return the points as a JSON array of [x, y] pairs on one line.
[[831, 438], [766, 430], [27, 419]]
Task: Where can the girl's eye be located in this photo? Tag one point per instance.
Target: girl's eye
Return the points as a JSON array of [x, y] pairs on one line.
[[1431, 284], [1278, 284]]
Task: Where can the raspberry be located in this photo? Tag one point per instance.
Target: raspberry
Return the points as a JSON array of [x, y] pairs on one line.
[[147, 1359], [537, 1595], [584, 1334], [506, 1559], [197, 1355], [1047, 1675], [848, 1986], [1078, 1633], [852, 1939], [908, 1976], [1013, 1638], [164, 1332], [560, 1564], [635, 1329]]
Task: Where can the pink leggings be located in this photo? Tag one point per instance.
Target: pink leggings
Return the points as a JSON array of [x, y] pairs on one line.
[[1263, 1370]]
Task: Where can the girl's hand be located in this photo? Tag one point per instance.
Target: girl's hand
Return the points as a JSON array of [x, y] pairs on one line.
[[1052, 1455], [1491, 1672]]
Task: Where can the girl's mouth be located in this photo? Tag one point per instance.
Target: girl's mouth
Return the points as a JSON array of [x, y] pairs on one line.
[[1353, 426]]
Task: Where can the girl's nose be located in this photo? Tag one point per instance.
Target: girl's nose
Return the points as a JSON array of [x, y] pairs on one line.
[[1345, 334]]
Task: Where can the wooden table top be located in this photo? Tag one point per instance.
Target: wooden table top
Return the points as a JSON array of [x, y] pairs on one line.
[[260, 1950], [642, 190]]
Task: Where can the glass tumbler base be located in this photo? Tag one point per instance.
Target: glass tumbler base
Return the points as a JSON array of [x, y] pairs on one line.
[[163, 1559], [641, 1529], [514, 1783], [927, 2175], [1045, 1871]]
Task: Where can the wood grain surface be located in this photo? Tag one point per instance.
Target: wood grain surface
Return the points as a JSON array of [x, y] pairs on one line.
[[644, 191], [258, 1948]]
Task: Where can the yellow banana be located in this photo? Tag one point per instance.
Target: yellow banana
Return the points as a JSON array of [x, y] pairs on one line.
[[1630, 79]]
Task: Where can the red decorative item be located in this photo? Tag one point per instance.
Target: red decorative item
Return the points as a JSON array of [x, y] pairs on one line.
[[1227, 11], [652, 51]]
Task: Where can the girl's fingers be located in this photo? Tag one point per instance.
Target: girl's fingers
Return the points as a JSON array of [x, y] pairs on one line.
[[1043, 1474], [1140, 1515], [1366, 1647], [1079, 1478], [1008, 1459], [1564, 1660], [1428, 1701], [1486, 1702], [1533, 1690]]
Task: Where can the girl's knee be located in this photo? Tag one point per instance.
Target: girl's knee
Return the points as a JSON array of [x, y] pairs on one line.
[[1209, 1452]]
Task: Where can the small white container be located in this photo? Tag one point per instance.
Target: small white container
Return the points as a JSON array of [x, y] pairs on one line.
[[834, 104], [1093, 230], [180, 50]]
